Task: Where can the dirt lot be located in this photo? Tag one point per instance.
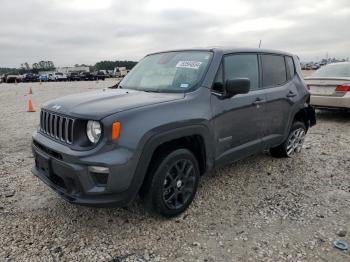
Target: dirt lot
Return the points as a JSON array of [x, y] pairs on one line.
[[258, 209]]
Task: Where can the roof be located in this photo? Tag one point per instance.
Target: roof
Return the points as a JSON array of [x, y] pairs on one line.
[[226, 50]]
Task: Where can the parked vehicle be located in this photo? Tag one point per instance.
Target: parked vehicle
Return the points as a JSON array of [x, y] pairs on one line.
[[330, 86], [310, 66], [57, 76], [73, 76], [174, 117], [9, 78], [43, 78], [87, 76], [107, 73], [315, 66], [100, 75], [30, 77], [120, 71]]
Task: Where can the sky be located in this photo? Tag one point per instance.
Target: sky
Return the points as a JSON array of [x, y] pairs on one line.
[[70, 32]]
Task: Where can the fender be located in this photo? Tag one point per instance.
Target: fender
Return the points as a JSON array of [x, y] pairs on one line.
[[309, 113], [155, 140]]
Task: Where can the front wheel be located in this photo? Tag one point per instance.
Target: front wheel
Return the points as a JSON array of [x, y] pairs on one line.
[[172, 184], [294, 142]]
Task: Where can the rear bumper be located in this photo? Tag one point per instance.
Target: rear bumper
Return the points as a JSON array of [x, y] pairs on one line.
[[330, 101], [71, 178]]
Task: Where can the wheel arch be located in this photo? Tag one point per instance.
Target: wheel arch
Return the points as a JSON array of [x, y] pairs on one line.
[[301, 116], [305, 115], [196, 138]]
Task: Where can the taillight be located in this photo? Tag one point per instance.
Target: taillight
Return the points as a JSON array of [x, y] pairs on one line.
[[343, 88]]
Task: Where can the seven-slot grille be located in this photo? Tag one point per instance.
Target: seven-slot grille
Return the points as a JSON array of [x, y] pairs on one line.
[[57, 126]]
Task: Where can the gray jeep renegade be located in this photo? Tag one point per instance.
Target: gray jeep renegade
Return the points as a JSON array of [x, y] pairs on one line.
[[172, 119]]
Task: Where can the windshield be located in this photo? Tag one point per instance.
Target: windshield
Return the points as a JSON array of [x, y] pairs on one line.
[[333, 70], [168, 72]]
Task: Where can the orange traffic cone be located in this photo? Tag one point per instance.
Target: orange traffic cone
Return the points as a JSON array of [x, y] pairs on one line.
[[30, 106], [30, 91]]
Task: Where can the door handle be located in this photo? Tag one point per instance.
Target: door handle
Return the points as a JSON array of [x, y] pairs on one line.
[[259, 101], [291, 94]]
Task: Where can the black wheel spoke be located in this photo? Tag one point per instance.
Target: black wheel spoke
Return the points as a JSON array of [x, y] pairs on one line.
[[171, 197], [166, 188], [178, 169], [189, 170], [170, 177]]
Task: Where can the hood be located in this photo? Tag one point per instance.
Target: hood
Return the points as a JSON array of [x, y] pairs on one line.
[[99, 104]]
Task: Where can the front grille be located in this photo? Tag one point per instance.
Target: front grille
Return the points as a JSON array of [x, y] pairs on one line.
[[57, 126]]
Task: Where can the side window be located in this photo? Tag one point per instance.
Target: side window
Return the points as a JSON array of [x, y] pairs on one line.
[[290, 67], [242, 66], [273, 70]]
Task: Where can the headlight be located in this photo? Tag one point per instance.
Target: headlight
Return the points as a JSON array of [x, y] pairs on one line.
[[93, 131]]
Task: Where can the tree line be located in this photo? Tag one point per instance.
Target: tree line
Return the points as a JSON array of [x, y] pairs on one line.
[[110, 65], [102, 65]]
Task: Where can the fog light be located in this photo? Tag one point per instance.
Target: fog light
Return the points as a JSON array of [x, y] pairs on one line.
[[99, 169], [99, 175]]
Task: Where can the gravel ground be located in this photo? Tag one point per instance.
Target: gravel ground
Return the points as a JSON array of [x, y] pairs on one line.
[[257, 209]]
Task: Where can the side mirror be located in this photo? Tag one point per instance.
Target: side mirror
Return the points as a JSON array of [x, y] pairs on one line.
[[237, 86]]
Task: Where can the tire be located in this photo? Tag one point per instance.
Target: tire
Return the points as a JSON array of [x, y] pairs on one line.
[[172, 183], [294, 142]]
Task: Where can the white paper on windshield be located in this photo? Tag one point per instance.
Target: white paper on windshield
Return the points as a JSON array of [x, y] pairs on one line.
[[189, 64]]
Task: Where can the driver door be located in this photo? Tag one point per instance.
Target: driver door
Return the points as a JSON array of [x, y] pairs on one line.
[[238, 120]]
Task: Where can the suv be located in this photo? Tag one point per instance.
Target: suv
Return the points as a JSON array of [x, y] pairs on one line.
[[173, 118], [87, 76], [73, 76], [30, 77], [99, 75], [9, 78]]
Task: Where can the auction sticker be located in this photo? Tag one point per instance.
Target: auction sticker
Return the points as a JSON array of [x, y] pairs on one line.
[[189, 64], [184, 85]]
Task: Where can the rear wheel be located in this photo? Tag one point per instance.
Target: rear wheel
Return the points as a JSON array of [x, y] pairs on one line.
[[294, 142], [172, 183]]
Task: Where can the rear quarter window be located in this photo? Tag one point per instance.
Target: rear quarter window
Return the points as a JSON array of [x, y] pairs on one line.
[[274, 70]]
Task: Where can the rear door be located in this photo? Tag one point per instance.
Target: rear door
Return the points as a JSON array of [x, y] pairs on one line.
[[281, 93], [237, 120]]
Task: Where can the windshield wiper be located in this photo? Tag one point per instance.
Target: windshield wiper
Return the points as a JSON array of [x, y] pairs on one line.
[[151, 90], [116, 86]]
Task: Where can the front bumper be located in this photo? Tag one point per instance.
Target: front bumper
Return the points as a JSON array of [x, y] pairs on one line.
[[70, 177]]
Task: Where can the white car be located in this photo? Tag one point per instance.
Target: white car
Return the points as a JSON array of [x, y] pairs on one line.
[[330, 86], [57, 77]]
